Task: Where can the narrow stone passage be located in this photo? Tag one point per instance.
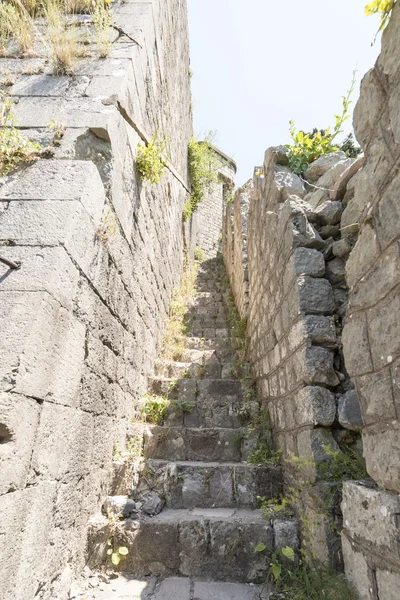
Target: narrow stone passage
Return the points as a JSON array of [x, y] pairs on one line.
[[195, 461]]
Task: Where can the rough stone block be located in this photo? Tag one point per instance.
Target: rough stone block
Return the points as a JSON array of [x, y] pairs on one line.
[[349, 411], [173, 588], [119, 506], [311, 443], [329, 213], [370, 514], [388, 584], [58, 180], [315, 295], [357, 570], [382, 453], [320, 166], [335, 271], [321, 329], [384, 329], [19, 419], [376, 396], [309, 262], [356, 347], [363, 255], [314, 405], [288, 183]]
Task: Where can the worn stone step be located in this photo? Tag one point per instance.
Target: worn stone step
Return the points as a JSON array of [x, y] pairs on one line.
[[185, 443], [207, 543], [197, 363], [189, 484]]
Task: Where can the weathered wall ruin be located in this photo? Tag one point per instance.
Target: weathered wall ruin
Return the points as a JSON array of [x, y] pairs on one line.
[[208, 217], [101, 251], [371, 337], [322, 256]]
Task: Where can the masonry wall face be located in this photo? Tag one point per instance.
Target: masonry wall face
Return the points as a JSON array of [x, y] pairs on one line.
[[81, 320], [209, 214], [371, 337]]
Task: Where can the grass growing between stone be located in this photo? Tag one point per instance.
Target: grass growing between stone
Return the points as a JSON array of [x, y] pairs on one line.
[[175, 338], [15, 148]]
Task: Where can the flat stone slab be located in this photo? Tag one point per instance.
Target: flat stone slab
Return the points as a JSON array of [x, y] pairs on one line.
[[172, 588], [209, 590]]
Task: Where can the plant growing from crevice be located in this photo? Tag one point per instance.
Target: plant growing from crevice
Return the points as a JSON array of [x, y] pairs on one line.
[[307, 147], [108, 226], [15, 148], [300, 581], [175, 339], [155, 409], [60, 38], [102, 21], [263, 455], [151, 159], [199, 255], [383, 8], [203, 171], [15, 22]]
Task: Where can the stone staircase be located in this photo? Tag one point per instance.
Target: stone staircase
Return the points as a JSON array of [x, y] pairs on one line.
[[195, 466]]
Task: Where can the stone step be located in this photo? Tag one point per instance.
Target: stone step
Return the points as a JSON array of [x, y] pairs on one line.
[[207, 543], [186, 443], [189, 484], [209, 332], [190, 389]]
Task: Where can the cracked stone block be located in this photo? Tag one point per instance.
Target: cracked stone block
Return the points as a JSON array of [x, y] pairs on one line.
[[349, 411], [320, 166], [329, 213], [310, 262], [315, 295], [288, 183]]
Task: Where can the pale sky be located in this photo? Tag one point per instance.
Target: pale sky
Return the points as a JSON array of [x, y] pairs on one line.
[[259, 63]]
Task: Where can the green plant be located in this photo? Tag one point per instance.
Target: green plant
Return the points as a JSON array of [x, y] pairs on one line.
[[114, 553], [199, 255], [61, 39], [298, 581], [102, 21], [349, 148], [151, 159], [15, 148], [174, 342], [59, 131], [155, 409], [307, 147], [263, 455], [276, 506], [183, 407], [382, 7], [190, 73], [15, 22], [108, 226], [203, 171]]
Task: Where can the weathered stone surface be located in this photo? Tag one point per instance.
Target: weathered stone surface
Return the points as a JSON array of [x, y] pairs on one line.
[[318, 366], [315, 295], [329, 213], [321, 329], [311, 443], [288, 183], [320, 166], [309, 262], [315, 406], [335, 271], [330, 177], [173, 588], [388, 584], [340, 186], [370, 514], [152, 505], [357, 571], [342, 248], [382, 453], [349, 411]]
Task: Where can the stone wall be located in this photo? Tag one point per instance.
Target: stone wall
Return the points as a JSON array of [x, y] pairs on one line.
[[208, 216], [323, 321], [100, 253], [371, 337]]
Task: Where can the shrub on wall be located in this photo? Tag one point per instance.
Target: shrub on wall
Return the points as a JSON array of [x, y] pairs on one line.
[[203, 171], [307, 147], [151, 159]]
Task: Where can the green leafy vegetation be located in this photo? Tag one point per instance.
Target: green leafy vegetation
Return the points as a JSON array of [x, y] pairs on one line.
[[155, 409], [151, 159], [276, 507], [15, 148], [307, 147], [175, 338], [203, 171], [116, 553], [299, 581], [383, 8], [102, 22], [199, 255], [263, 455]]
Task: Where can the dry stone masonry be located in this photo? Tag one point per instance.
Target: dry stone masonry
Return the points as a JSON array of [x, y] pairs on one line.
[[323, 320], [193, 510]]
